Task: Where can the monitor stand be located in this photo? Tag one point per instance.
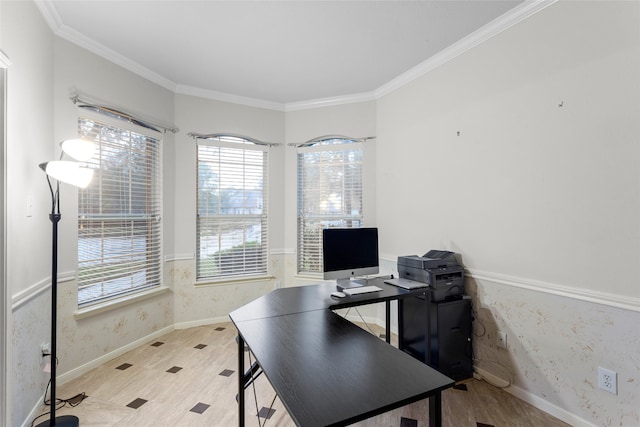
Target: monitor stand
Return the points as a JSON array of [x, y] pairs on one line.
[[350, 283]]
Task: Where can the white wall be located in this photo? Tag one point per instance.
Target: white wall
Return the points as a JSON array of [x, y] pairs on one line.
[[522, 155], [553, 182], [27, 40]]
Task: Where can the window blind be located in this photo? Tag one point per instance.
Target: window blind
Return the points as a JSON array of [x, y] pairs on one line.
[[119, 213], [329, 195], [232, 208]]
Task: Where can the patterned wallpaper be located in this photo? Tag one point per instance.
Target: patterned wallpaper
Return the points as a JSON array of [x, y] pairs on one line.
[[555, 344]]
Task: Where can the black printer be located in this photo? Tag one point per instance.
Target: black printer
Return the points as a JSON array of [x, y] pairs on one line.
[[439, 269]]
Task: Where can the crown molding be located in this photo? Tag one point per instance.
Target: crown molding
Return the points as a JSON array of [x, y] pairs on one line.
[[49, 13], [51, 16], [500, 24], [228, 97], [328, 102], [5, 62]]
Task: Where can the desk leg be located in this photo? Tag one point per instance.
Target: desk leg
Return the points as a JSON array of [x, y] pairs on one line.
[[401, 324], [427, 336], [388, 321], [241, 381], [435, 410]]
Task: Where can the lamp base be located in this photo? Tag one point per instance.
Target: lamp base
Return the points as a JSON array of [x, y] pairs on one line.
[[63, 421]]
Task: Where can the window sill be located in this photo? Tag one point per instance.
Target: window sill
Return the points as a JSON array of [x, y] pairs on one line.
[[117, 303], [234, 281], [309, 276]]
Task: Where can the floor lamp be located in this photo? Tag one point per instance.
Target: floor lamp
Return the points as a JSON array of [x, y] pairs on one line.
[[78, 175]]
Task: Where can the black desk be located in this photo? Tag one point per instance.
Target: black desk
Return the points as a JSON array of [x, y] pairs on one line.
[[326, 370]]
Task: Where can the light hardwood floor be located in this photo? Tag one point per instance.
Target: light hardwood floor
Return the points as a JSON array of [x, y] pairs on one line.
[[189, 378]]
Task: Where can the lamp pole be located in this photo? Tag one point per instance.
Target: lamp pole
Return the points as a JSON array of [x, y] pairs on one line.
[[55, 219], [74, 174], [65, 420]]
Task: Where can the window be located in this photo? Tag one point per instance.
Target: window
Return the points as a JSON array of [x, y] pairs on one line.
[[232, 208], [329, 194], [119, 227]]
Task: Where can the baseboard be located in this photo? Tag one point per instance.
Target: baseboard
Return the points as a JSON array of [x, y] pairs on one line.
[[80, 370], [203, 322], [28, 422], [75, 373], [521, 394], [534, 400]]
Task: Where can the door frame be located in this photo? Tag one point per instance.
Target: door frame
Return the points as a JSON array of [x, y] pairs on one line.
[[4, 291]]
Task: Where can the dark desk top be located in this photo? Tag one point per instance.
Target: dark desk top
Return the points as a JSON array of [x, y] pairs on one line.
[[316, 297], [326, 370]]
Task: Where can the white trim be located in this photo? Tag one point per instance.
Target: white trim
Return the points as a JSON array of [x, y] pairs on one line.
[[232, 280], [5, 62], [537, 402], [179, 257], [119, 302], [329, 102], [67, 276], [596, 297], [5, 318], [51, 16], [38, 288], [282, 251], [26, 295], [95, 363], [35, 290], [228, 97], [202, 322], [498, 25], [35, 411]]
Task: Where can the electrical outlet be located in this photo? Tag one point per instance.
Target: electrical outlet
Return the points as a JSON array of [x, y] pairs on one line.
[[501, 339], [608, 380], [45, 349]]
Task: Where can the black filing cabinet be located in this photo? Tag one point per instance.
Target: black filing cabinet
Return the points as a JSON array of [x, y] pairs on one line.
[[450, 334]]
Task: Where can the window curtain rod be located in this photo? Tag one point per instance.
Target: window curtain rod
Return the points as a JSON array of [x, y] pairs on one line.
[[122, 115], [314, 141], [231, 135]]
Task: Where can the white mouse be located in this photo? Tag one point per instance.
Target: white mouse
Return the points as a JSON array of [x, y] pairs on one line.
[[338, 294]]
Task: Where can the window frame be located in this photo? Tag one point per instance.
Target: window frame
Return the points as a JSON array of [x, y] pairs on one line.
[[245, 272], [310, 253], [123, 124]]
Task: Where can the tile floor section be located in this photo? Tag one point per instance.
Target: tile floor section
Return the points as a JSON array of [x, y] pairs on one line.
[[200, 407], [193, 372], [264, 412]]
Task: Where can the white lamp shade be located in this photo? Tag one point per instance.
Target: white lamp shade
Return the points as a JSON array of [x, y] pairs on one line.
[[69, 172], [79, 149]]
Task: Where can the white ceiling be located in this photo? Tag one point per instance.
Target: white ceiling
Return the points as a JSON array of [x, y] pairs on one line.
[[276, 53]]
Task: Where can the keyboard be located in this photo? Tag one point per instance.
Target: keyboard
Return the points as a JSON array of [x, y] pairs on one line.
[[361, 290]]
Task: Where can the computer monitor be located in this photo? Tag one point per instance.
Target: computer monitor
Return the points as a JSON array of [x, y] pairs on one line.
[[348, 253]]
